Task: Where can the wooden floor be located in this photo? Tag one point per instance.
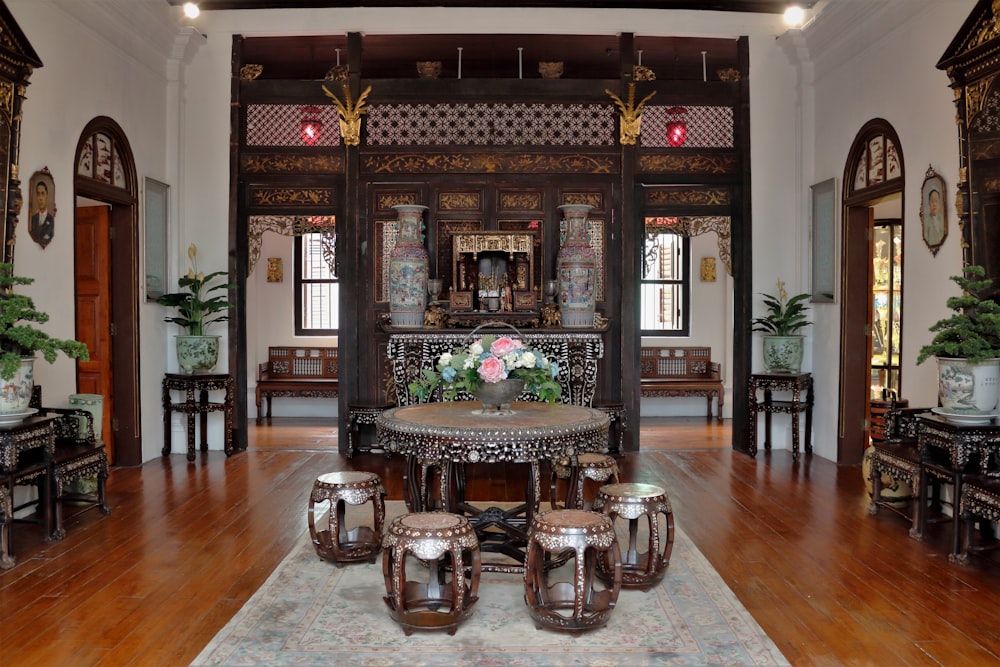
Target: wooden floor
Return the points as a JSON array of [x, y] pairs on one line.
[[187, 544]]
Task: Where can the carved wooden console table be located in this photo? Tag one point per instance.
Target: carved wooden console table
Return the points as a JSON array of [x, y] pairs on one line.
[[191, 406], [576, 352], [771, 382]]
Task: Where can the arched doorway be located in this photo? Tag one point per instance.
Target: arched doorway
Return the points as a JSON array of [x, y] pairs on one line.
[[873, 200], [106, 246]]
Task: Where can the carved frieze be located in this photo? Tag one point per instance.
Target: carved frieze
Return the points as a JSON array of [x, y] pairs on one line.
[[588, 198], [283, 163], [697, 163], [490, 163], [385, 201], [459, 201], [688, 196], [520, 200], [272, 196]]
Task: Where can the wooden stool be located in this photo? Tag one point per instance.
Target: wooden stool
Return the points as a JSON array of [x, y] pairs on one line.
[[445, 543], [338, 544], [597, 467], [619, 424], [631, 502], [358, 415], [588, 535]]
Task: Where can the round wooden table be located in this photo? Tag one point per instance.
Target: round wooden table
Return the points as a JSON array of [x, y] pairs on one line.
[[457, 432]]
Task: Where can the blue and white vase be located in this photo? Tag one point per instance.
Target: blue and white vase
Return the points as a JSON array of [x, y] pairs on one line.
[[408, 270]]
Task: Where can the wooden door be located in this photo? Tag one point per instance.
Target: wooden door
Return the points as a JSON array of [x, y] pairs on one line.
[[93, 309]]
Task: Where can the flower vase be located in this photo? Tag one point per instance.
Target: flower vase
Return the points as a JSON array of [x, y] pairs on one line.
[[576, 269], [497, 396], [408, 270], [197, 353]]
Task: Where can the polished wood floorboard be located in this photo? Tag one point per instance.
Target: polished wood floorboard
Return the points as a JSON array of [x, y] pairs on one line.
[[187, 544]]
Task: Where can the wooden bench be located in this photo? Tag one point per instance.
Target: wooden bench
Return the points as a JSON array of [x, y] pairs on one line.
[[303, 372], [681, 371]]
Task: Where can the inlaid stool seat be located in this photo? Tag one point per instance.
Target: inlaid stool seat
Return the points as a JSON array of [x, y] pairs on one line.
[[597, 467], [632, 502], [338, 543], [567, 596], [446, 549]]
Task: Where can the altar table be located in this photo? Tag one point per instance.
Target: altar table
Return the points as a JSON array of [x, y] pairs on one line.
[[457, 432]]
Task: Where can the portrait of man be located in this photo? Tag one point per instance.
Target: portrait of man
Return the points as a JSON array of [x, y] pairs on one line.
[[42, 208], [933, 218]]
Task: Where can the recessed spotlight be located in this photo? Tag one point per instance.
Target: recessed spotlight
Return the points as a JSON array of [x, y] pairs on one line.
[[191, 10], [794, 16]]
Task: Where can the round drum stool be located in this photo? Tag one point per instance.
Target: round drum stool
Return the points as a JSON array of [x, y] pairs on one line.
[[632, 502], [596, 467], [553, 587], [339, 544], [446, 547]]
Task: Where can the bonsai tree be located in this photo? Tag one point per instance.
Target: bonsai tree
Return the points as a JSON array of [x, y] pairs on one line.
[[785, 316], [973, 332], [18, 335], [197, 307]]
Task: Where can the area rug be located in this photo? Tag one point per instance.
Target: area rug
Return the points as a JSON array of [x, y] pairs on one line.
[[309, 612]]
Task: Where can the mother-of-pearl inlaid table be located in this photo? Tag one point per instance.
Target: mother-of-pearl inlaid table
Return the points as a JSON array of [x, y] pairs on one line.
[[453, 433]]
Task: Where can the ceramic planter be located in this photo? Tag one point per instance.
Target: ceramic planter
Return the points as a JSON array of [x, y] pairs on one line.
[[15, 393], [968, 391], [197, 353], [783, 354]]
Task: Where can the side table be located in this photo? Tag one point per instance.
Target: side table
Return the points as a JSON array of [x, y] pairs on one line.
[[201, 383], [771, 382]]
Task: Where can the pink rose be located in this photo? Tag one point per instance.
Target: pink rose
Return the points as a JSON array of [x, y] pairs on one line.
[[503, 346], [492, 370]]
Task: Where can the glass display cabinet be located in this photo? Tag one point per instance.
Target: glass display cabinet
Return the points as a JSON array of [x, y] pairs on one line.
[[887, 291]]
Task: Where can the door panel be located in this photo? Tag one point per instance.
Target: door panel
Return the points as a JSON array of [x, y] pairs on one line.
[[93, 309]]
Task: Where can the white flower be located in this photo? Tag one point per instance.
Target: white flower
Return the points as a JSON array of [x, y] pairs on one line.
[[445, 359], [528, 360], [510, 360], [476, 348], [470, 363]]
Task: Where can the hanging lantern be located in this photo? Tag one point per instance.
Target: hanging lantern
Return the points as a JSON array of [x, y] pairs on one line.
[[311, 127], [677, 127]]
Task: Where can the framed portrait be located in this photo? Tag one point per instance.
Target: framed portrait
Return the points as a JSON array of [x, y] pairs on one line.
[[42, 207], [155, 210], [933, 210], [824, 241]]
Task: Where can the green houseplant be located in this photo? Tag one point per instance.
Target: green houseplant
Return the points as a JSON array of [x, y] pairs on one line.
[[967, 348], [202, 302], [21, 340], [786, 316]]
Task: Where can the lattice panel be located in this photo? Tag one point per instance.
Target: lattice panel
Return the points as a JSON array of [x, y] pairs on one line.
[[988, 120], [707, 127], [281, 125], [491, 125]]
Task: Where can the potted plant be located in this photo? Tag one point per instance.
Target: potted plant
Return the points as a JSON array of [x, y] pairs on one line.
[[785, 318], [967, 348], [496, 369], [20, 341], [204, 302]]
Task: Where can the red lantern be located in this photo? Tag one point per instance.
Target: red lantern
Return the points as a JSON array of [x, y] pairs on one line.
[[677, 127], [311, 127]]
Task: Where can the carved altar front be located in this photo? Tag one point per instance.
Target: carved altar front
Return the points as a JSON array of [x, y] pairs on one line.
[[577, 353]]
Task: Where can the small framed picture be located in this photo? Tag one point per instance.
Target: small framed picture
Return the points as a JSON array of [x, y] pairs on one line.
[[459, 301], [275, 270], [524, 300], [933, 211], [708, 269], [42, 207]]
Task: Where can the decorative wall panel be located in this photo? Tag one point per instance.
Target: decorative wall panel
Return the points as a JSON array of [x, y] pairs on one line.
[[281, 125], [285, 163], [698, 163], [490, 163], [707, 127]]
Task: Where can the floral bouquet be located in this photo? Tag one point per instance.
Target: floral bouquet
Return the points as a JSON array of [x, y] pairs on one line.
[[490, 359]]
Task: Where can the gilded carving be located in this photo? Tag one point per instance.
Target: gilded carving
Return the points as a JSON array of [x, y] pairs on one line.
[[520, 201], [729, 75], [288, 225], [350, 113], [385, 202], [292, 164], [250, 71], [695, 225], [986, 149], [489, 163], [630, 115], [689, 196], [459, 201], [294, 196], [975, 98], [692, 164], [589, 198], [992, 185]]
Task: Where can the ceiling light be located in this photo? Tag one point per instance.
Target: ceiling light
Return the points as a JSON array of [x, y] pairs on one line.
[[794, 16], [191, 10]]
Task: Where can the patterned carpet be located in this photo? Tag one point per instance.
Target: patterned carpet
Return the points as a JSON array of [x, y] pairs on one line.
[[312, 613]]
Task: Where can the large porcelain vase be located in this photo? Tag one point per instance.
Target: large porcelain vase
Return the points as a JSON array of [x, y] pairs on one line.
[[970, 391], [408, 270], [576, 269], [15, 393]]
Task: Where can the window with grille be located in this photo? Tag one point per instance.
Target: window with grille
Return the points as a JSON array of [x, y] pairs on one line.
[[317, 289], [666, 280]]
